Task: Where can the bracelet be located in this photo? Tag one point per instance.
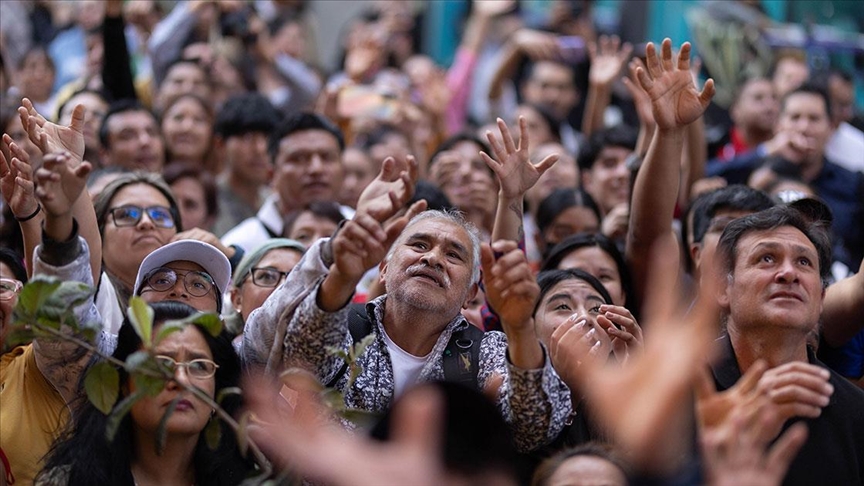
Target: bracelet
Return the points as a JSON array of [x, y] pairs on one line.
[[28, 218]]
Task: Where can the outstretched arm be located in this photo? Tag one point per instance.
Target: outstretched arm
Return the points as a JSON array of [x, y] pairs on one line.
[[16, 184], [607, 59], [843, 310], [675, 103]]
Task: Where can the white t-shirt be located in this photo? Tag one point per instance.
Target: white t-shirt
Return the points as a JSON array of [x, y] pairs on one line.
[[406, 366]]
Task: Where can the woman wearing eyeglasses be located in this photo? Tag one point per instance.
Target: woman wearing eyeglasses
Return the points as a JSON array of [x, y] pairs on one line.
[[258, 275], [84, 456], [136, 214]]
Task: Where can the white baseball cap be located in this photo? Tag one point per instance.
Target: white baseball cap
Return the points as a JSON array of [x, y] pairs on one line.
[[213, 261]]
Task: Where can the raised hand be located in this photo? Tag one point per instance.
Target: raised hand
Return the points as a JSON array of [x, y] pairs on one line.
[[675, 101], [391, 189], [16, 180], [537, 45], [576, 341], [512, 291], [516, 174], [640, 97], [51, 137], [607, 61], [61, 181]]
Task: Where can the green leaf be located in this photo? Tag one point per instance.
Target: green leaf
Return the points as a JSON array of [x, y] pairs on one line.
[[150, 385], [361, 418], [243, 433], [209, 321], [162, 430], [119, 412], [333, 399], [362, 345], [141, 316], [102, 384], [337, 352], [18, 336], [227, 391], [33, 294], [168, 328], [213, 433]]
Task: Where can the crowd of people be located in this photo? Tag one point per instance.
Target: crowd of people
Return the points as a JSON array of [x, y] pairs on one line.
[[537, 265]]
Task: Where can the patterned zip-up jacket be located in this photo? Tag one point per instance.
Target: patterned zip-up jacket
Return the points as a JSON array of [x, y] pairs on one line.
[[290, 330]]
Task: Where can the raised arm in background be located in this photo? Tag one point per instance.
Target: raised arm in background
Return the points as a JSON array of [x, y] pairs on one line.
[[607, 59], [675, 103]]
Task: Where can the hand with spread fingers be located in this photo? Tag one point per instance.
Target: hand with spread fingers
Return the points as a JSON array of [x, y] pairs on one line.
[[675, 101], [516, 173], [51, 137], [607, 58], [61, 182], [622, 328], [16, 180], [640, 98]]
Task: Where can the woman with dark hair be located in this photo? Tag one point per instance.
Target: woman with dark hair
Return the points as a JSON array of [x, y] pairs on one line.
[[563, 213], [196, 194], [596, 254], [136, 214], [187, 125], [84, 456]]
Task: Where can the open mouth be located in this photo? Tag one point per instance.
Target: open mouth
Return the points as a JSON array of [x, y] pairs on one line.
[[787, 295], [428, 276]]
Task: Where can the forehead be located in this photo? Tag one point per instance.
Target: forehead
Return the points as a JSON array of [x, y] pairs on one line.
[[587, 258], [438, 228], [184, 70], [576, 289], [131, 119], [308, 140], [757, 86], [140, 194], [279, 255], [5, 270], [797, 102], [310, 219], [550, 71], [787, 237], [189, 340], [186, 103], [614, 152]]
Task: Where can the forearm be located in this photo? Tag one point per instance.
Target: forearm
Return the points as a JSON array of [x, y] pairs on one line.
[[117, 68], [654, 195], [508, 219], [695, 157], [843, 310], [475, 33], [88, 228], [304, 83], [336, 290], [509, 60], [523, 348], [31, 235], [165, 44], [597, 100]]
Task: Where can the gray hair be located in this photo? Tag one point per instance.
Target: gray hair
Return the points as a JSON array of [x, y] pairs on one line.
[[457, 218]]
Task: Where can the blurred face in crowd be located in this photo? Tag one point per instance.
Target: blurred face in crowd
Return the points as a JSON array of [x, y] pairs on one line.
[[308, 167], [539, 131], [247, 159], [309, 228], [188, 130], [757, 107], [789, 74], [182, 78], [588, 470], [290, 39], [265, 276], [552, 86], [775, 282], [573, 220], [393, 145], [16, 131], [134, 142], [703, 252], [805, 114], [36, 76], [191, 414], [192, 200], [608, 180], [601, 265], [359, 172], [125, 246], [95, 108], [571, 298], [465, 179], [564, 174]]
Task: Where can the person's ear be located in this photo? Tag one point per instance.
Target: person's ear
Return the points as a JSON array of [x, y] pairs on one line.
[[236, 300], [472, 292], [696, 254]]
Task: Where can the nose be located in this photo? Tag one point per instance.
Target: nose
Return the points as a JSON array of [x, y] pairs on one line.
[[787, 273], [432, 259], [145, 222], [316, 164], [179, 289]]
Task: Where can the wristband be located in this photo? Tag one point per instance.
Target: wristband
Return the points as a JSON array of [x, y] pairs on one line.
[[31, 216]]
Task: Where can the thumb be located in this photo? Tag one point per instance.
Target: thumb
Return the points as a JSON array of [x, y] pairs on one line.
[[83, 169], [487, 259], [547, 163], [77, 123]]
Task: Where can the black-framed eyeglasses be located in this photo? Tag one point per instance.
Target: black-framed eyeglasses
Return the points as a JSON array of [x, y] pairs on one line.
[[267, 277], [131, 215], [197, 368], [9, 288], [163, 279]]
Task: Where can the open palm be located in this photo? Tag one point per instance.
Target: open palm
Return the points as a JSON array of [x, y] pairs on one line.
[[56, 138], [675, 101], [516, 174]]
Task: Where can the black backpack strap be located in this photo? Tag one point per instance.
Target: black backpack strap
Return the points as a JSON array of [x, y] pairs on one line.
[[360, 326], [461, 360]]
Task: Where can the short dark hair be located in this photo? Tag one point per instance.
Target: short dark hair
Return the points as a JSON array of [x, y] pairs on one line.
[[454, 140], [778, 216], [322, 209], [245, 113], [299, 123], [810, 88], [121, 106], [736, 197], [560, 200], [182, 170], [550, 278], [617, 136], [15, 262]]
